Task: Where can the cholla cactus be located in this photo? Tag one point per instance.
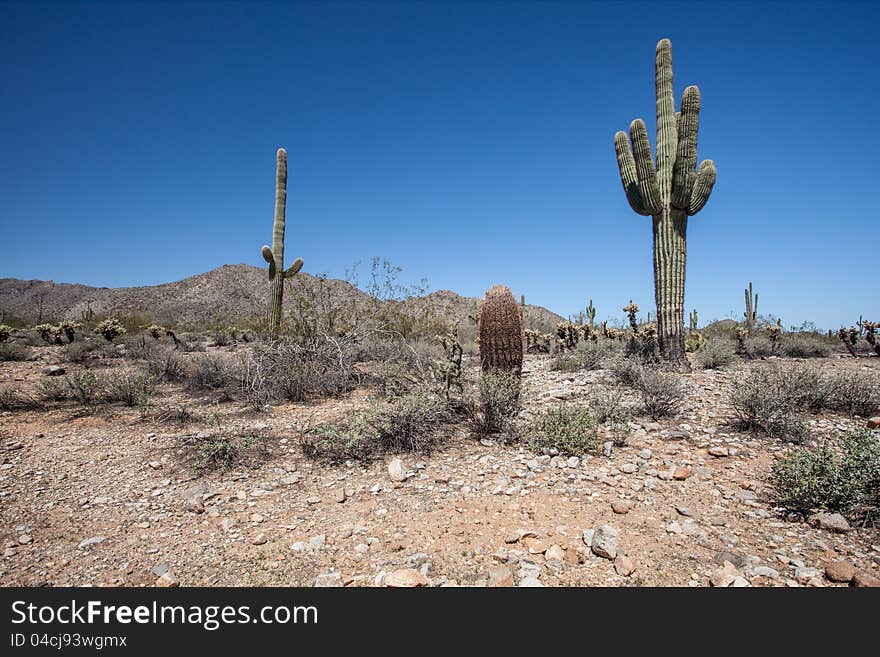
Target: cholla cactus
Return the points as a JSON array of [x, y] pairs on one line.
[[649, 338], [449, 369], [751, 313], [538, 343], [870, 329], [774, 332], [568, 336], [588, 333], [5, 332], [605, 329], [499, 333], [694, 342], [615, 334], [69, 328], [849, 337], [741, 335], [49, 332], [632, 310], [110, 329], [154, 330]]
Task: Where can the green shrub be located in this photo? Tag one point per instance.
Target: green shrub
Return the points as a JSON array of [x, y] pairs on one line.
[[220, 451], [569, 430], [715, 354], [78, 352], [84, 386], [13, 399], [854, 393], [844, 478], [496, 406], [804, 346], [609, 409], [131, 387], [10, 351], [587, 356], [165, 364], [409, 423], [53, 389], [764, 402]]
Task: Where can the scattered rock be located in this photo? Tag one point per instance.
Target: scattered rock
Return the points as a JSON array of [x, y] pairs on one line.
[[259, 539], [94, 540], [724, 575], [54, 370], [500, 576], [396, 470], [533, 582], [604, 543], [621, 507], [554, 553], [681, 473], [328, 580], [840, 571], [873, 423], [167, 580], [405, 578], [624, 566], [865, 579], [833, 522]]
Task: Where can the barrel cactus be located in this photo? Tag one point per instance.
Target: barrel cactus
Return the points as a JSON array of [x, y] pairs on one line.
[[499, 333], [275, 255], [668, 189]]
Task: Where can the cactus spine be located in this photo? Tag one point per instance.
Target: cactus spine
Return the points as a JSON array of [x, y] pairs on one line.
[[669, 192], [499, 333], [275, 255], [751, 313]]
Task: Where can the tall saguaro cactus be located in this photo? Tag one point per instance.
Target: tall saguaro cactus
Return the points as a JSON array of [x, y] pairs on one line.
[[669, 190], [751, 313], [275, 255]]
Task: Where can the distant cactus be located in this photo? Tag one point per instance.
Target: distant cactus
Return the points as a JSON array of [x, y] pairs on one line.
[[694, 342], [538, 343], [449, 369], [632, 311], [774, 332], [499, 333], [522, 308], [69, 328], [849, 337], [88, 314], [870, 329], [567, 335], [275, 255], [741, 335], [154, 330], [751, 313], [694, 320], [110, 329], [670, 189], [591, 314], [5, 332], [49, 332]]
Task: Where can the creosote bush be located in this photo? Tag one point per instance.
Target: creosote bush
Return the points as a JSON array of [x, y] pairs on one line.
[[131, 387], [714, 354], [496, 405], [564, 429], [661, 392], [410, 423], [843, 478], [10, 351]]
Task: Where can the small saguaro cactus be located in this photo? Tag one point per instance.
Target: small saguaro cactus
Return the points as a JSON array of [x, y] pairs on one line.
[[693, 320], [275, 255], [591, 314], [499, 333], [751, 313], [670, 190]]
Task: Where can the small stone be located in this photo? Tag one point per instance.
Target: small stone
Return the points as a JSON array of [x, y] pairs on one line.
[[340, 496], [738, 561], [313, 500], [317, 542], [645, 454], [803, 574], [259, 539], [604, 543], [396, 470], [740, 582], [535, 545], [840, 571], [328, 580], [681, 473], [167, 580], [53, 370], [873, 423], [865, 579], [500, 576], [621, 507], [573, 462], [766, 571], [833, 522], [24, 539], [160, 569], [554, 553], [405, 578], [533, 582], [724, 575], [94, 540], [624, 566], [629, 468], [719, 451], [683, 511]]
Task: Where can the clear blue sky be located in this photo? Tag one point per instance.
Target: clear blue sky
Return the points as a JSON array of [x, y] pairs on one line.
[[468, 142]]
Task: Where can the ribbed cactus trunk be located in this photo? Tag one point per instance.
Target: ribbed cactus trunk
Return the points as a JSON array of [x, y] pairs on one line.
[[669, 190], [275, 255]]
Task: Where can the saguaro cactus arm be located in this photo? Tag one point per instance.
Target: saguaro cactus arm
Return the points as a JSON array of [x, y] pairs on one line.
[[294, 268]]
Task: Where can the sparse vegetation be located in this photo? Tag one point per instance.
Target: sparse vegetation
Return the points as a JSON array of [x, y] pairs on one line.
[[10, 351], [841, 477], [496, 406], [110, 329], [565, 429]]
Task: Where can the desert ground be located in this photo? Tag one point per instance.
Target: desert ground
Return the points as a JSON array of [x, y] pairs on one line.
[[112, 494]]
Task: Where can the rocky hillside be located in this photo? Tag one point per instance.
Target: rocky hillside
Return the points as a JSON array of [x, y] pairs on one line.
[[227, 294]]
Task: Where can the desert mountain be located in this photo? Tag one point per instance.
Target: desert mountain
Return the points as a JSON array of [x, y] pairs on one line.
[[225, 295]]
